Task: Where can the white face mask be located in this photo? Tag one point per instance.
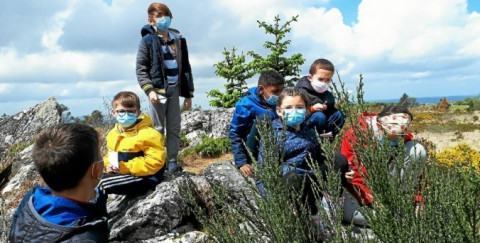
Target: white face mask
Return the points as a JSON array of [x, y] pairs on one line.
[[319, 86]]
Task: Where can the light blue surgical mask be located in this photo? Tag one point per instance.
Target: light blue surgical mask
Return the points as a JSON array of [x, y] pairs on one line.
[[126, 120], [393, 143], [97, 195], [163, 23], [294, 117], [272, 99]]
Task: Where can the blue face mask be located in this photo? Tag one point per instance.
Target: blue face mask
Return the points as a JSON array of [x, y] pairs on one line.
[[272, 99], [294, 117], [97, 195], [163, 23], [394, 143], [126, 120]]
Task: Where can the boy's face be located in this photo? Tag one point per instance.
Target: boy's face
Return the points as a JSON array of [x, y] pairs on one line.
[[321, 75], [267, 91], [121, 110], [153, 19]]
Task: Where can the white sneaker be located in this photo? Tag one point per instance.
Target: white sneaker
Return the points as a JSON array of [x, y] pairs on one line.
[[350, 212]]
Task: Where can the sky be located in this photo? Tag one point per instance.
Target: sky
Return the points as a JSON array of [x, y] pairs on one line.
[[83, 52]]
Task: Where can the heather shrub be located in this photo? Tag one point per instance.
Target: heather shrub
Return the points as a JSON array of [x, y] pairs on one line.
[[416, 199]]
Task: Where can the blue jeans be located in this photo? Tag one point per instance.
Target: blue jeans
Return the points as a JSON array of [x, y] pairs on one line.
[[323, 123]]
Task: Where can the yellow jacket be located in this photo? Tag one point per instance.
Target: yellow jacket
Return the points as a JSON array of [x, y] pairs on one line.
[[140, 149]]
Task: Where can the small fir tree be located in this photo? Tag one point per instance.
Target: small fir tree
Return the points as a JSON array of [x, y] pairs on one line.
[[289, 67], [234, 69]]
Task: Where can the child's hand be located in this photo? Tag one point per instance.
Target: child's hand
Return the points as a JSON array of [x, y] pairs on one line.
[[112, 170], [247, 170], [349, 176], [187, 103], [319, 107], [152, 95]]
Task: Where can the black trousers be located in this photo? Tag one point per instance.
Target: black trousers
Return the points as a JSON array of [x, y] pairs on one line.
[[295, 180], [129, 185]]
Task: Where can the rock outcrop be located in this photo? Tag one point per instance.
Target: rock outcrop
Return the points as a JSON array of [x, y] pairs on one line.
[[213, 123], [163, 214], [23, 126]]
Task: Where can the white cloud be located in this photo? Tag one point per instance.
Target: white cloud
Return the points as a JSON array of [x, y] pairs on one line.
[[63, 66], [86, 49], [55, 31], [4, 88]]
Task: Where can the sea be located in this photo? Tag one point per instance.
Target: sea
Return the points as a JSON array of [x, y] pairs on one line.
[[430, 100]]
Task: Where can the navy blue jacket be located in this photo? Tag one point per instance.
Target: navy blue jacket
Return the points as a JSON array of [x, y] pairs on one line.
[[315, 97], [298, 148], [59, 219], [247, 110], [150, 68]]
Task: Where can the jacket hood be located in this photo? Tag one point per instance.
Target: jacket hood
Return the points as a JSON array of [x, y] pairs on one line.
[[63, 211], [148, 29], [44, 216], [58, 210], [305, 83], [142, 121]]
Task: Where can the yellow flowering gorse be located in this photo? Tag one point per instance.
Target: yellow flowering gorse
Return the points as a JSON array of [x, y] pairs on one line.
[[461, 154]]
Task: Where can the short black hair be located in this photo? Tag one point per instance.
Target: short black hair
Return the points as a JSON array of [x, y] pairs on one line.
[[293, 91], [271, 78], [321, 64], [63, 153], [395, 109]]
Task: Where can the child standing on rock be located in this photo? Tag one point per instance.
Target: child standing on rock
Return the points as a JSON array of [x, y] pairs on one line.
[[164, 73]]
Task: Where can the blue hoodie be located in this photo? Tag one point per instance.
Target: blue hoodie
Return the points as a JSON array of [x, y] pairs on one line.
[[247, 110]]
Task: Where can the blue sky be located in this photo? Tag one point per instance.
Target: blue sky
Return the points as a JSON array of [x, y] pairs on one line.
[[83, 52]]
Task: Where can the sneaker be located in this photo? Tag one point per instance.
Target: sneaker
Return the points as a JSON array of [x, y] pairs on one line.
[[351, 214], [173, 166], [318, 224]]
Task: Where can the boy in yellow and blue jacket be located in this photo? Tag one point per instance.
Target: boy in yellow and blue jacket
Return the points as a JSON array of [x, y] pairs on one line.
[[135, 162]]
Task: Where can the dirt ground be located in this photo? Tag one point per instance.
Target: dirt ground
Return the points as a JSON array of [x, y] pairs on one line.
[[196, 165], [449, 139]]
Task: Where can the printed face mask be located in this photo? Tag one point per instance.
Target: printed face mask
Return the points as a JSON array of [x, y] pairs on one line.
[[294, 117], [319, 86], [395, 124], [126, 120], [163, 23]]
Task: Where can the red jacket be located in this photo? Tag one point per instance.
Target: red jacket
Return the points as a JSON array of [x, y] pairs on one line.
[[349, 142]]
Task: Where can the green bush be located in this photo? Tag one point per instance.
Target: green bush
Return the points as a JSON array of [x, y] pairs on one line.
[[450, 211], [212, 147], [472, 103], [209, 148]]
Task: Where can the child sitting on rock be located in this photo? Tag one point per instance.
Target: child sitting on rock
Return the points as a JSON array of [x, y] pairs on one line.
[[136, 156], [325, 116], [69, 208]]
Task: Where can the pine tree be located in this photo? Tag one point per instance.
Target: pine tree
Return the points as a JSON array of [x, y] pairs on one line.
[[234, 69], [289, 67]]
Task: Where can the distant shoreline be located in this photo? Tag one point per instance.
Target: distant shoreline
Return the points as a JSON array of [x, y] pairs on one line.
[[428, 100]]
